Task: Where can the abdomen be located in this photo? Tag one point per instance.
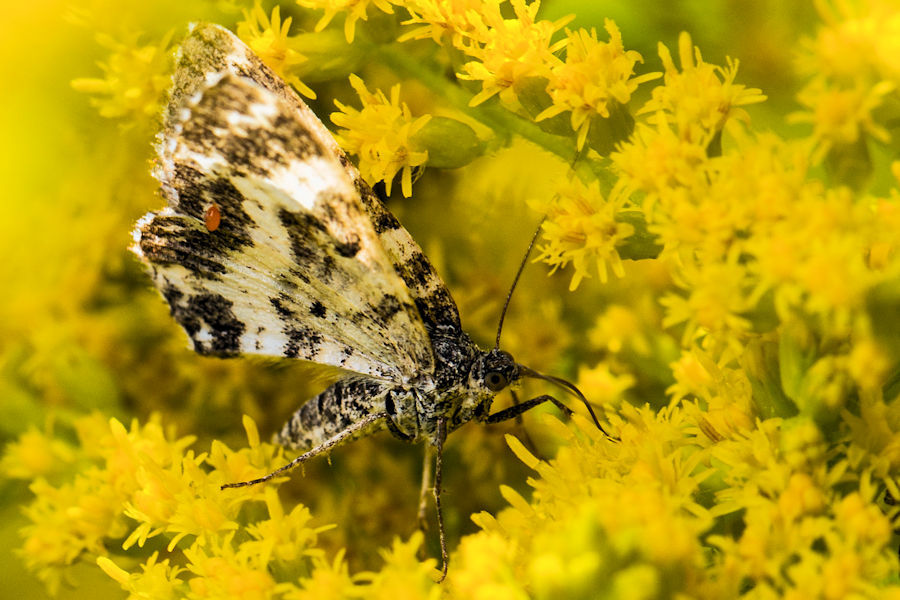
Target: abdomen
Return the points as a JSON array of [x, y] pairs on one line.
[[334, 410]]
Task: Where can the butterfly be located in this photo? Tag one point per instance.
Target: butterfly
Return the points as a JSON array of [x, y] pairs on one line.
[[272, 244]]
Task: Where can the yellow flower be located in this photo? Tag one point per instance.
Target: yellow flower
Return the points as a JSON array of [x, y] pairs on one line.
[[701, 97], [816, 258], [403, 575], [440, 19], [600, 508], [695, 375], [355, 9], [283, 538], [868, 364], [180, 500], [582, 229], [483, 568], [135, 79], [656, 160], [602, 386], [269, 39], [67, 521], [801, 497], [76, 517], [857, 41], [594, 76], [714, 300], [328, 580], [382, 135], [506, 51], [157, 580], [810, 523], [841, 115], [221, 572], [35, 455], [723, 394]]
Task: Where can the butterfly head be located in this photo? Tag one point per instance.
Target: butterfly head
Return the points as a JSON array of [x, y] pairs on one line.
[[498, 370]]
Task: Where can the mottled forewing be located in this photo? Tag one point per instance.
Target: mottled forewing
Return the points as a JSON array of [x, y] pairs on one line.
[[295, 267], [432, 298], [213, 45]]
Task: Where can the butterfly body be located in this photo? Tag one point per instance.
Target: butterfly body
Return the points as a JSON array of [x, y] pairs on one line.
[[456, 392], [304, 261], [300, 259]]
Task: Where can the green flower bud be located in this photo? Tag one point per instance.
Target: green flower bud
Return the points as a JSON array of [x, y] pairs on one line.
[[883, 308], [532, 95], [850, 164], [641, 244], [605, 133], [796, 354], [450, 143]]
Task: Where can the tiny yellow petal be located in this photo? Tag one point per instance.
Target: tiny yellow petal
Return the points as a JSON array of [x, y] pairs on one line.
[[522, 452]]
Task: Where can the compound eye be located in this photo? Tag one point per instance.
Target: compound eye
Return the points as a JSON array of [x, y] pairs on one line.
[[495, 381]]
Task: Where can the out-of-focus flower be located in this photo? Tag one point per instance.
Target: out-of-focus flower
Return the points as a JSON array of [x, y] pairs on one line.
[[134, 81]]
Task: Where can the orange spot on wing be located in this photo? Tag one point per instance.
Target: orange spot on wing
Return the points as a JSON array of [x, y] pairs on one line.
[[212, 217]]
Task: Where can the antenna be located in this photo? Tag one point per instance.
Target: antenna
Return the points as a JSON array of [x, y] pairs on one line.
[[569, 387], [516, 280]]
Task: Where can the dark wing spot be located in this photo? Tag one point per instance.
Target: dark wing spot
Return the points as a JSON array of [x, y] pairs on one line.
[[173, 240], [303, 342], [386, 222], [299, 275], [418, 269], [438, 309], [171, 294], [283, 311], [348, 249], [247, 148], [345, 354], [185, 240], [303, 230], [382, 219], [215, 311], [387, 307], [317, 309]]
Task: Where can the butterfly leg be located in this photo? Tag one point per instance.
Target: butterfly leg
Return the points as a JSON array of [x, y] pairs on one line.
[[427, 477], [516, 410], [439, 453], [325, 446], [520, 424]]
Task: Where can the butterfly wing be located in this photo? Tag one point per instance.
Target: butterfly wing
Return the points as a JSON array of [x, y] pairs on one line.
[[436, 306], [213, 45], [295, 267]]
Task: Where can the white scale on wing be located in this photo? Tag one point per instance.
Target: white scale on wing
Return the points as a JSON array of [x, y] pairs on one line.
[[347, 308], [212, 48]]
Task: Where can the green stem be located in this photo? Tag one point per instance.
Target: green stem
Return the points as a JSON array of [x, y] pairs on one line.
[[498, 119]]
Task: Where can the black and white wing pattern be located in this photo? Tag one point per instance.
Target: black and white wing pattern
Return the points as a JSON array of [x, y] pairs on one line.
[[297, 262], [211, 48]]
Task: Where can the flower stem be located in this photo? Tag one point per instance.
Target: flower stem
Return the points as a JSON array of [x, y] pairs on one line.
[[500, 120]]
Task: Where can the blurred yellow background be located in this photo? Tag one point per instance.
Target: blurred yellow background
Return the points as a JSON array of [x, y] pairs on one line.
[[81, 329]]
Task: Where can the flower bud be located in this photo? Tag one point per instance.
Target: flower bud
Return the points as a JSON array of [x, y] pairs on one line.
[[606, 132], [532, 95], [450, 143]]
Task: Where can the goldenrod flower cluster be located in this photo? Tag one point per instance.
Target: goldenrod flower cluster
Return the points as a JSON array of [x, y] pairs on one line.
[[382, 136], [726, 291], [268, 37]]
